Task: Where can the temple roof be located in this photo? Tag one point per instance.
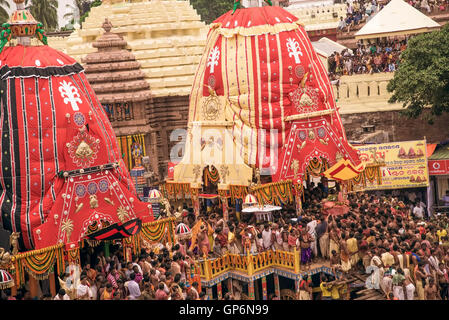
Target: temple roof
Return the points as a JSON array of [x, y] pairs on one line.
[[166, 37], [113, 71]]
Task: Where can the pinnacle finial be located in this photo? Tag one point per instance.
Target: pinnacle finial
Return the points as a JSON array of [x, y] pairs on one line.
[[19, 4], [107, 25]]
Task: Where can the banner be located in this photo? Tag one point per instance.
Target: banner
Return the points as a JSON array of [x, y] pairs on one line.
[[171, 170], [405, 164], [438, 167]]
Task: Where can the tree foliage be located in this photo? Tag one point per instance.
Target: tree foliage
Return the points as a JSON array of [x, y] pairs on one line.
[[4, 17], [209, 10], [422, 80], [80, 11], [46, 12]]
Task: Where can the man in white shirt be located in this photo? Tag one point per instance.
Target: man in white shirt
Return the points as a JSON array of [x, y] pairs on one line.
[[418, 211], [267, 237], [133, 288], [278, 237], [311, 229], [83, 291], [61, 295], [341, 24]]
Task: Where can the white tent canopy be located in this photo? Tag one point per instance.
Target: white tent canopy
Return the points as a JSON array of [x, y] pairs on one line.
[[265, 208], [395, 19]]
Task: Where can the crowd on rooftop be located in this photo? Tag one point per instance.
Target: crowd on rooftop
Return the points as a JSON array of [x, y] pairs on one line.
[[375, 57], [361, 11]]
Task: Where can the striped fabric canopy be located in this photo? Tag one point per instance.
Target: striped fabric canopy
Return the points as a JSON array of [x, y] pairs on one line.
[[250, 200], [273, 90], [6, 281], [183, 231], [343, 170], [154, 195], [61, 168]]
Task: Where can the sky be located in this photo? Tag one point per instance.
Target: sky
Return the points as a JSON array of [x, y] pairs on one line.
[[62, 10]]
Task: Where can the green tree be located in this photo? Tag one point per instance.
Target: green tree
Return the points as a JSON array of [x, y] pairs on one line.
[[209, 10], [44, 11], [3, 13], [81, 10], [422, 79]]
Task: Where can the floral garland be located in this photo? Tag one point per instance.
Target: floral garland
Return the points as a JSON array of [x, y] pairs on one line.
[[194, 192], [299, 188], [224, 193], [155, 231], [73, 256], [315, 167], [39, 263], [174, 189], [132, 242], [360, 178], [371, 173], [379, 176], [238, 192], [276, 193], [171, 231], [211, 175]]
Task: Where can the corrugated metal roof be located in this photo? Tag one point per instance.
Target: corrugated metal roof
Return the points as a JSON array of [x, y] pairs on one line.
[[441, 153]]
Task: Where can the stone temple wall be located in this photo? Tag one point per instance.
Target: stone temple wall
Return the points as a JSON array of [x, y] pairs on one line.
[[396, 127]]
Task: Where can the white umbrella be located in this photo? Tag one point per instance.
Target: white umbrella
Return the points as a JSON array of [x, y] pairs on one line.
[[265, 208]]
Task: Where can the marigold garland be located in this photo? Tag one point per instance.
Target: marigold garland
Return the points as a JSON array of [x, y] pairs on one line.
[[276, 193], [211, 175], [132, 242], [370, 174], [73, 256], [359, 179], [315, 167], [39, 263], [224, 193], [155, 231], [238, 192], [175, 189]]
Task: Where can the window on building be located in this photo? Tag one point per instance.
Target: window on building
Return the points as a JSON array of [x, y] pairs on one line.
[[119, 111]]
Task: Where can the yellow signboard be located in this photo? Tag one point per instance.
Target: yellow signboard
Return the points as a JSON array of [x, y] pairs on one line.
[[405, 164]]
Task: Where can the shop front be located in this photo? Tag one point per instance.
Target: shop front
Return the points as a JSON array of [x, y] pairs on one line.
[[438, 163]]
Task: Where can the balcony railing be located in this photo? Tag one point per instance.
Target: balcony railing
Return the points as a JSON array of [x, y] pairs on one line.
[[249, 264]]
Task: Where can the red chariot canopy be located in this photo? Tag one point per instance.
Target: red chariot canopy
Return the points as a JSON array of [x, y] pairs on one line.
[[61, 169], [280, 98]]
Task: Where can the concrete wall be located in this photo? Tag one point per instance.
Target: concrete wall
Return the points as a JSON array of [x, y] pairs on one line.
[[363, 100], [396, 127]]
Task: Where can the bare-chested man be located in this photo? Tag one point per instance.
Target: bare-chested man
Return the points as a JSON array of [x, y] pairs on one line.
[[419, 277], [344, 254], [431, 291], [306, 251], [334, 236]]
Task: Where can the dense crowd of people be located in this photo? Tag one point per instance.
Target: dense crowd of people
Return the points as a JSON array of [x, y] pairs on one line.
[[361, 11], [390, 233]]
